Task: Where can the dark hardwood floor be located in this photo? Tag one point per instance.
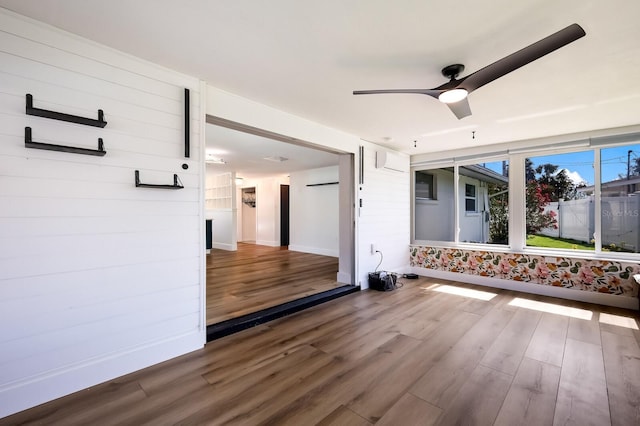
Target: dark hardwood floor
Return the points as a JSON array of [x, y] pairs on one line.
[[432, 352], [256, 277]]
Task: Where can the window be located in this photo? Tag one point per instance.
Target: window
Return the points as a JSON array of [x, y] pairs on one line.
[[470, 198], [481, 207], [561, 206], [425, 188], [559, 211], [620, 198]]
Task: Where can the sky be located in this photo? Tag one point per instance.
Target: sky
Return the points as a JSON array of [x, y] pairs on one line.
[[579, 165]]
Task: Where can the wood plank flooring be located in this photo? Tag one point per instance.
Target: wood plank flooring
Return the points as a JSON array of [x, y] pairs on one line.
[[418, 355], [257, 277]]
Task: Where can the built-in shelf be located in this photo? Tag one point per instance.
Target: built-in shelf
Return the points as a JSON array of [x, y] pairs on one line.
[[219, 191], [176, 183], [30, 110], [29, 143]]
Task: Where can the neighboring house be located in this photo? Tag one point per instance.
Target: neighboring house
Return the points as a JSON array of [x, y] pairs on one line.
[[615, 188], [434, 195]]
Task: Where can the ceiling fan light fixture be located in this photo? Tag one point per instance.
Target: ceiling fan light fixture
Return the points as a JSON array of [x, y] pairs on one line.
[[452, 96]]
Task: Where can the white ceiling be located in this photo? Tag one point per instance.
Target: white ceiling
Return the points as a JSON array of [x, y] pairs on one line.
[[247, 154], [307, 57]]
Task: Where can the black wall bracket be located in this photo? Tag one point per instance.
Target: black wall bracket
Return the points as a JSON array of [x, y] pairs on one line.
[[64, 117], [187, 123], [323, 184], [29, 143], [176, 183]]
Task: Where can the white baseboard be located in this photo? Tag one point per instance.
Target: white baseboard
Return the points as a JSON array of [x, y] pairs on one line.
[[268, 243], [27, 393], [525, 287], [314, 250], [225, 246]]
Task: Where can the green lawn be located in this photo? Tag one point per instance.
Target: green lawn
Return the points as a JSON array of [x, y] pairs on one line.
[[561, 243]]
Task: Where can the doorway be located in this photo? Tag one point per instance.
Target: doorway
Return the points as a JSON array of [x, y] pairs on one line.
[[248, 215], [273, 176]]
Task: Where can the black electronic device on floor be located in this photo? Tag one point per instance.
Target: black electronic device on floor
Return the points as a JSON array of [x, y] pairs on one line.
[[382, 281]]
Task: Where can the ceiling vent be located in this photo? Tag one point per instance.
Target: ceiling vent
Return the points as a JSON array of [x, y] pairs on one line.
[[211, 159], [276, 159]]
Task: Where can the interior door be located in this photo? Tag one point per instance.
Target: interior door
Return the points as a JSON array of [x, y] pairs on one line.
[[284, 215]]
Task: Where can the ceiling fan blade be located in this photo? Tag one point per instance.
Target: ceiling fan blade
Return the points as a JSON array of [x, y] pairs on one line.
[[521, 57], [430, 92], [460, 109]]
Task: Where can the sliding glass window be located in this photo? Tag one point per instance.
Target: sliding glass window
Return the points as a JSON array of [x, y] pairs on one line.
[[481, 204], [620, 198], [559, 201], [586, 200]]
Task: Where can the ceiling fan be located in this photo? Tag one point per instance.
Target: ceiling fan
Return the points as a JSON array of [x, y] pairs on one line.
[[454, 92]]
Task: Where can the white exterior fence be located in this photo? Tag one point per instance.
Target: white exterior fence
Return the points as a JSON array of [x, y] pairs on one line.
[[620, 221]]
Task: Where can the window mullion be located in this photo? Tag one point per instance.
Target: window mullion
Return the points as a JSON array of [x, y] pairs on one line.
[[456, 204], [517, 203], [596, 199]]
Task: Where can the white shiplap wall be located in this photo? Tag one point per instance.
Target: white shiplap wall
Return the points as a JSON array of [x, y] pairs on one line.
[[97, 277], [384, 218]]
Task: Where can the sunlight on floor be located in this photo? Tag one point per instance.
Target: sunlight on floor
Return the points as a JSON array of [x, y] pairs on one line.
[[460, 291], [618, 320], [552, 309]]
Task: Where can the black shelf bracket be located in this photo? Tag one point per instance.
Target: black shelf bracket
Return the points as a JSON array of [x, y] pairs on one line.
[[64, 117], [176, 183], [323, 184], [187, 122], [29, 143]]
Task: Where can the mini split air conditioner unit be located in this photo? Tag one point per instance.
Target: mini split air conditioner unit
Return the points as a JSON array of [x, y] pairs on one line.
[[391, 161]]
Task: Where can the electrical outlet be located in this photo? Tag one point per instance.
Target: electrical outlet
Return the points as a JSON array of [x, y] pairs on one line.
[[373, 248]]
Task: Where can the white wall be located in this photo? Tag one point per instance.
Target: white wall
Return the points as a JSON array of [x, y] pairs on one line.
[[224, 225], [98, 278], [314, 211]]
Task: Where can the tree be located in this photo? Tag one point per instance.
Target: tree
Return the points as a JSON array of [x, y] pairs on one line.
[[635, 167], [556, 184], [499, 214], [537, 199], [529, 171]]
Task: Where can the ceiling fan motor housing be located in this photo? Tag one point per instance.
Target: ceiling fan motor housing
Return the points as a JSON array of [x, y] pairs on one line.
[[452, 71]]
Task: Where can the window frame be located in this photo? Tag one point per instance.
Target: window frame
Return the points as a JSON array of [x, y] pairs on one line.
[[457, 195], [517, 196], [473, 198]]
